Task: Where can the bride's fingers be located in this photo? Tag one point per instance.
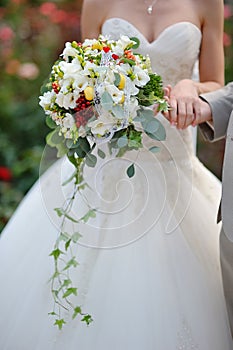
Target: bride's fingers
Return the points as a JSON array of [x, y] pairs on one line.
[[156, 108], [173, 111], [181, 114], [197, 113], [189, 115], [167, 91]]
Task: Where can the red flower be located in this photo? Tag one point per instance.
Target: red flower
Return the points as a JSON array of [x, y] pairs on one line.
[[5, 174], [106, 49], [114, 56]]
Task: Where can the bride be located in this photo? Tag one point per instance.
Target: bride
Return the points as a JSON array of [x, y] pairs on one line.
[[149, 270]]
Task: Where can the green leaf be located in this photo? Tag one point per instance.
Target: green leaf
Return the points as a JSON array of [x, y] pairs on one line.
[[77, 311], [91, 160], [66, 283], [122, 141], [127, 60], [101, 154], [154, 149], [56, 253], [90, 214], [151, 126], [50, 123], [72, 262], [82, 147], [54, 138], [159, 135], [64, 236], [131, 170], [118, 111], [59, 323], [137, 42], [87, 319], [75, 237], [106, 101], [52, 313], [67, 244], [61, 212], [70, 291], [146, 113]]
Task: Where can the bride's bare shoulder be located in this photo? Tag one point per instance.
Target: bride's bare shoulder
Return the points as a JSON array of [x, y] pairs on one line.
[[92, 16]]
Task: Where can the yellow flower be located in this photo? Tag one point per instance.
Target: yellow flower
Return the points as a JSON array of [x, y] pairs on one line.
[[122, 82], [89, 93], [97, 46]]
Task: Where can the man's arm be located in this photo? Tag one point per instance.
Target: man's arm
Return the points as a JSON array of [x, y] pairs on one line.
[[221, 105]]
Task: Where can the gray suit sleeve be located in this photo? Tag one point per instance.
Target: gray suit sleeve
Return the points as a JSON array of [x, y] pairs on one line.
[[221, 104]]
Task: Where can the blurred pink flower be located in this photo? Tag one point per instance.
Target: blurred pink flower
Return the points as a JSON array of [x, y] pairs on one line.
[[59, 16], [28, 71], [226, 40], [47, 8], [227, 11], [6, 33], [12, 66]]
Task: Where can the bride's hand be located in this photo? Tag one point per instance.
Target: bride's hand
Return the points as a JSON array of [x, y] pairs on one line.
[[184, 104]]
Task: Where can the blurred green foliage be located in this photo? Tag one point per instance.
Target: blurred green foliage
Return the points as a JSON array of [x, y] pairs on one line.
[[32, 35]]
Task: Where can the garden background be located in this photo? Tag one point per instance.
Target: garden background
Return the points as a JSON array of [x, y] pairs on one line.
[[32, 35]]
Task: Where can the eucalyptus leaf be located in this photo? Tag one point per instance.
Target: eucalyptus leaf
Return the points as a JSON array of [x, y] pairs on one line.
[[151, 126], [101, 154], [53, 138], [106, 101], [50, 123], [117, 79], [131, 170], [159, 135], [146, 113], [154, 149], [118, 111], [122, 141], [91, 160]]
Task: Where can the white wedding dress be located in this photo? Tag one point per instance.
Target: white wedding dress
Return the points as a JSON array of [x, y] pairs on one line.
[[149, 270]]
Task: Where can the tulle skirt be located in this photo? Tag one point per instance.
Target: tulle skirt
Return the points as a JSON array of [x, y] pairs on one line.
[[149, 270]]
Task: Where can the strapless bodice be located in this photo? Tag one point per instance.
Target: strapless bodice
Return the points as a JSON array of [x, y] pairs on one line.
[[173, 53]]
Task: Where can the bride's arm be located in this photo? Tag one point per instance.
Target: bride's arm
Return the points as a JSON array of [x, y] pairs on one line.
[[184, 99], [92, 16]]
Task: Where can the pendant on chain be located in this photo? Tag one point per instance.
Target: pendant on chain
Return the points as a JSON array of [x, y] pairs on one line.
[[149, 10]]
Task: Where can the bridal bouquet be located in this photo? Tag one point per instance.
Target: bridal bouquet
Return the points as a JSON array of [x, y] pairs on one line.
[[99, 91]]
